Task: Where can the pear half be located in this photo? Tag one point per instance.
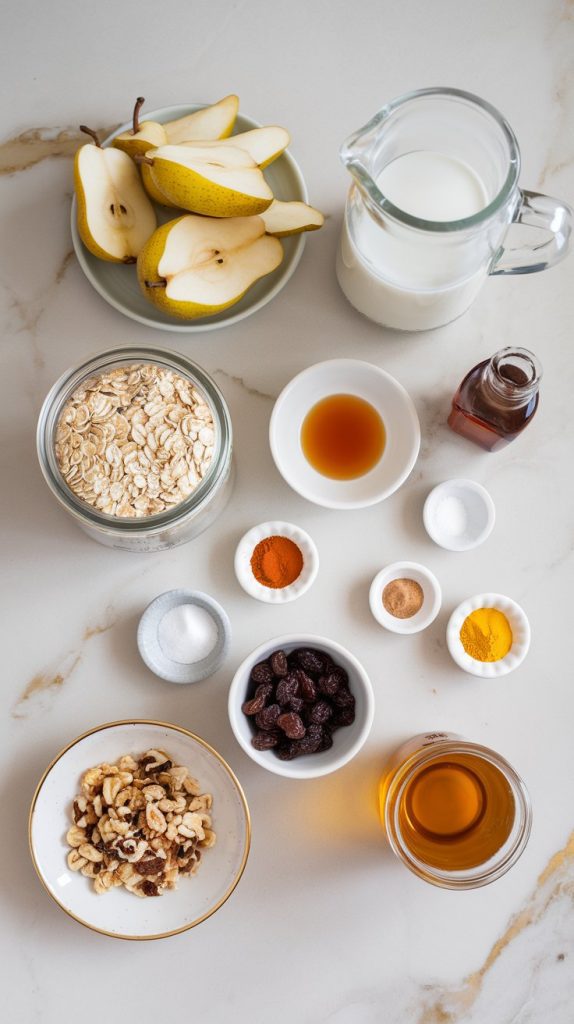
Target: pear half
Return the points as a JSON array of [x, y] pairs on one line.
[[115, 216], [143, 134], [214, 122], [282, 219], [263, 144], [218, 181], [197, 266]]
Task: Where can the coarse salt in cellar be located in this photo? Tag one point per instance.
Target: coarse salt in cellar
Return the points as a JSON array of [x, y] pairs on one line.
[[187, 633]]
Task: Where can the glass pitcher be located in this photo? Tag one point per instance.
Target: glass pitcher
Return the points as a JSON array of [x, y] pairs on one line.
[[414, 274]]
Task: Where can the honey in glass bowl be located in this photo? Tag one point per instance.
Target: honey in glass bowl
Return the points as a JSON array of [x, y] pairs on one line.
[[456, 813]]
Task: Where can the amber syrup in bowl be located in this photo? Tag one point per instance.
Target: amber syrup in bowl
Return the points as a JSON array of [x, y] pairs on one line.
[[456, 813], [343, 437], [497, 399]]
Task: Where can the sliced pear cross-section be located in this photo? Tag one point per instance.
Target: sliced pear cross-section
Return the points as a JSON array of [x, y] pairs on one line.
[[263, 144], [214, 122], [197, 266], [115, 217], [217, 181], [282, 219]]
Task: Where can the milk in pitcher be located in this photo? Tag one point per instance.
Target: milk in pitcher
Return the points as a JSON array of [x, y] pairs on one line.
[[405, 286]]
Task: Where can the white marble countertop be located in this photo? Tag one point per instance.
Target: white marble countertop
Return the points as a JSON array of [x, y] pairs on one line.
[[326, 924]]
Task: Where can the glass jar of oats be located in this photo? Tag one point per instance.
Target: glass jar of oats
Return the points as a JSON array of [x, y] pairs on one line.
[[136, 444]]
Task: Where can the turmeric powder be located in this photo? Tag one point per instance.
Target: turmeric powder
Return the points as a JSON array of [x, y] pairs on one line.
[[486, 634]]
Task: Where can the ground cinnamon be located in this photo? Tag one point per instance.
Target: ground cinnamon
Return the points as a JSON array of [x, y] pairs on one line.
[[276, 562], [403, 598]]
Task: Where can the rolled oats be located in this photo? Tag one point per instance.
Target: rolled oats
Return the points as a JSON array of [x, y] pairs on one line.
[[139, 823], [135, 441]]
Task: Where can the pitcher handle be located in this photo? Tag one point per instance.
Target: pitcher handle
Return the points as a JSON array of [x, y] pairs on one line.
[[549, 216]]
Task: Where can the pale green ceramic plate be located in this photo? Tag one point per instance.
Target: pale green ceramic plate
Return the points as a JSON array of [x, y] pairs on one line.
[[118, 284]]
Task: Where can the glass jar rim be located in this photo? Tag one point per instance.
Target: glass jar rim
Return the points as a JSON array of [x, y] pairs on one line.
[[69, 381], [522, 353], [496, 866], [378, 203]]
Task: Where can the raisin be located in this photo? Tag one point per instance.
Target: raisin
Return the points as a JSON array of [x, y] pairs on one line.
[[328, 685], [265, 740], [341, 675], [267, 718], [292, 725], [321, 712], [252, 707], [307, 686], [149, 888], [312, 740], [343, 699], [163, 767], [287, 688], [296, 704], [262, 673], [278, 662], [310, 660], [344, 716], [326, 742], [287, 751], [150, 865]]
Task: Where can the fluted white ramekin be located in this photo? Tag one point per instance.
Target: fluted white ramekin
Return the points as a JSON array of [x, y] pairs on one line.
[[520, 636]]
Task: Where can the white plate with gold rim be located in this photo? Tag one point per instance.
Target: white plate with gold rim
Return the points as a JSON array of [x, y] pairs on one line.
[[119, 913], [519, 625], [118, 284]]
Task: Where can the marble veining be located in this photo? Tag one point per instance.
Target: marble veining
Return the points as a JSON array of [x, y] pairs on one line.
[[242, 384], [48, 682], [20, 152], [472, 1001]]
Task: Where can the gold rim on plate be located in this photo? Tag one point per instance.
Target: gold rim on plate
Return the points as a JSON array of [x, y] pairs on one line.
[[230, 772]]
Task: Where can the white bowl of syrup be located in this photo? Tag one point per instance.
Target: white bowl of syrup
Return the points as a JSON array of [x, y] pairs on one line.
[[344, 434]]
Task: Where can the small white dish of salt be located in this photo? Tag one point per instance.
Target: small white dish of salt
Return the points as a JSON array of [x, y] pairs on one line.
[[459, 514], [183, 636]]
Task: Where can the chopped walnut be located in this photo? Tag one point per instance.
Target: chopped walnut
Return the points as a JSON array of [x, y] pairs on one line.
[[140, 824]]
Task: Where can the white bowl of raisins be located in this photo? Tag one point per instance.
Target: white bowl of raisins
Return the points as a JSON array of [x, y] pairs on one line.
[[301, 705]]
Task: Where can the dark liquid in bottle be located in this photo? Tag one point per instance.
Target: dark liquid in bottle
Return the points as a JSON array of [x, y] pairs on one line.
[[486, 418]]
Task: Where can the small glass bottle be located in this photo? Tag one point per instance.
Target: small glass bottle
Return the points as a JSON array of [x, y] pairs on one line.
[[497, 399]]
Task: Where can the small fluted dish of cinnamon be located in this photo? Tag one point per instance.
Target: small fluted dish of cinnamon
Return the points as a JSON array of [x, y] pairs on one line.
[[405, 597], [276, 562]]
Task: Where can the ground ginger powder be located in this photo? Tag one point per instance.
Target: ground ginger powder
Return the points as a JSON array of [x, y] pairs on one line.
[[486, 634]]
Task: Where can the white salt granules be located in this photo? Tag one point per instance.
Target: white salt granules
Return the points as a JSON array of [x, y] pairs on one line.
[[452, 516], [187, 634]]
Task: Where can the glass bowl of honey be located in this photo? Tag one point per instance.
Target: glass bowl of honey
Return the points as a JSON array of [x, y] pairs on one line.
[[456, 813], [344, 434]]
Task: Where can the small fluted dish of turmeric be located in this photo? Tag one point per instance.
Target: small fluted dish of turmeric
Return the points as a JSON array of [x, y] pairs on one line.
[[488, 635], [276, 562]]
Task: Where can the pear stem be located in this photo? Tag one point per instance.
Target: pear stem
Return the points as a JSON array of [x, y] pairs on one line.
[[156, 284], [136, 120], [93, 135], [141, 158]]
